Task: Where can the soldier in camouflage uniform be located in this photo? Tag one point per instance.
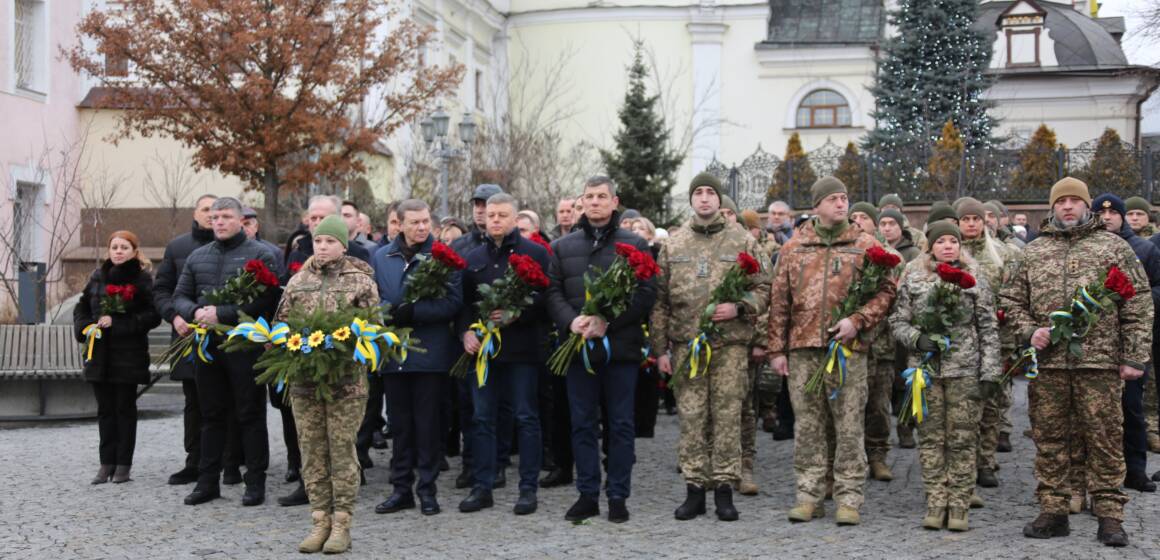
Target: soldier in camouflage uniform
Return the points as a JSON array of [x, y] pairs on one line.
[[991, 256], [815, 271], [1015, 247], [893, 201], [761, 391], [693, 262], [1139, 216], [949, 429], [881, 364], [1078, 397], [326, 430]]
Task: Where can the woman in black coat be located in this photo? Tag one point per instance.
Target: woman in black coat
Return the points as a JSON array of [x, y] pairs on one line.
[[117, 361]]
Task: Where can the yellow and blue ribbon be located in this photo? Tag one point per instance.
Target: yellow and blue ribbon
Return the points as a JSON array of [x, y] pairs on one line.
[[917, 379], [489, 346], [92, 335], [837, 354], [201, 341], [261, 332], [365, 348], [697, 346], [584, 345]]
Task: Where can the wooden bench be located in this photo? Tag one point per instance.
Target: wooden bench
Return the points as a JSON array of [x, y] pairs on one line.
[[41, 374]]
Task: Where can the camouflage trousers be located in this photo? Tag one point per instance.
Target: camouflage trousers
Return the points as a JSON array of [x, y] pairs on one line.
[[1150, 408], [710, 414], [947, 438], [326, 435], [816, 413], [994, 419], [1078, 408], [751, 410], [879, 388]]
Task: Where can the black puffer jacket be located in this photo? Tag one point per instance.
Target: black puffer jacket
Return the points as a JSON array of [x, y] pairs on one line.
[[165, 282], [488, 263], [209, 267], [572, 255], [467, 242], [122, 353]]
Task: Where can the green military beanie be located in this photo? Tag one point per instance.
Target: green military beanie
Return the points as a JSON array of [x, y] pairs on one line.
[[333, 226], [893, 214], [727, 202], [940, 228], [1070, 186], [890, 199], [1137, 203], [706, 180], [824, 187], [941, 210], [866, 208], [968, 206], [994, 209], [1002, 207]]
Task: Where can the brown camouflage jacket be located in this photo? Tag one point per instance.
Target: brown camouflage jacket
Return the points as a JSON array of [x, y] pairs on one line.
[[1044, 278], [974, 340], [812, 278], [693, 261]]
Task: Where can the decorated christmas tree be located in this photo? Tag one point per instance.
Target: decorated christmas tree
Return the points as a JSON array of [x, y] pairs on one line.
[[1038, 161], [793, 175]]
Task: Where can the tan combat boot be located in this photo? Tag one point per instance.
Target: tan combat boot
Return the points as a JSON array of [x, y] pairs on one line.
[[747, 486], [803, 512], [957, 519], [339, 540], [934, 518], [1077, 502], [977, 501], [848, 516], [879, 471], [318, 534]]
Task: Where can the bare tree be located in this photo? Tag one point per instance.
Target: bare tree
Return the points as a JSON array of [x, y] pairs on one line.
[[102, 192], [170, 183], [1150, 14]]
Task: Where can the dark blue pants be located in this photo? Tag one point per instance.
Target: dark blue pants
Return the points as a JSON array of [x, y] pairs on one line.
[[617, 382], [517, 384], [415, 400], [1135, 426]]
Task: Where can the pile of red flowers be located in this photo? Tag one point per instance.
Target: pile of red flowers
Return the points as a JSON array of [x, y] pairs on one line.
[[528, 270], [879, 263], [642, 264], [748, 264], [1119, 282], [955, 275], [244, 287], [116, 296], [539, 240], [429, 281], [294, 268], [881, 257], [263, 275]]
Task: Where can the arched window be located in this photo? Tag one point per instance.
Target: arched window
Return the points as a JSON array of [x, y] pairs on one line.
[[824, 108]]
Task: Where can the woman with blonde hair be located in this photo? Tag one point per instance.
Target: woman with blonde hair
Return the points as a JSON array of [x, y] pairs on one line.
[[112, 319]]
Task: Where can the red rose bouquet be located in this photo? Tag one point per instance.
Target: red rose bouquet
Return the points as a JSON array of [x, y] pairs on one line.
[[878, 264], [737, 282], [294, 268], [246, 286], [116, 298], [510, 295], [539, 240], [429, 281], [606, 296]]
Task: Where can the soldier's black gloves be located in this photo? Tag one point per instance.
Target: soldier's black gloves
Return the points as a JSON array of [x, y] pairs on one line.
[[988, 389], [404, 313], [925, 344]]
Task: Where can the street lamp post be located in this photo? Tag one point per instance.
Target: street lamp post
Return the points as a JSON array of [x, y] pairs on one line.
[[435, 128]]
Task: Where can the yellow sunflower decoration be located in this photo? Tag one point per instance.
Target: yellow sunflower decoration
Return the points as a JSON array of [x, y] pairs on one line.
[[316, 339], [294, 343], [341, 334]]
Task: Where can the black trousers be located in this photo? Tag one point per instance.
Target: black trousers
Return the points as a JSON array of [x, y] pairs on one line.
[[116, 421], [556, 415], [415, 401], [373, 417], [1135, 426], [191, 422], [224, 385], [289, 431], [647, 403]]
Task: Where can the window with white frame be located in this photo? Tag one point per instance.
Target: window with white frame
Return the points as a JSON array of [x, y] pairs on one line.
[[25, 220], [823, 108], [30, 44]]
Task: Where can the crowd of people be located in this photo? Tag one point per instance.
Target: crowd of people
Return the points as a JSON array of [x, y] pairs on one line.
[[822, 327]]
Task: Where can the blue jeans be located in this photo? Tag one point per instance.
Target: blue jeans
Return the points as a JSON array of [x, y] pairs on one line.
[[617, 382], [516, 383]]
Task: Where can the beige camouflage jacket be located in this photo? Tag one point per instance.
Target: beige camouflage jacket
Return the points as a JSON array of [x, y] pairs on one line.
[[693, 261], [1044, 278], [881, 342], [996, 274], [771, 249], [811, 279], [974, 340]]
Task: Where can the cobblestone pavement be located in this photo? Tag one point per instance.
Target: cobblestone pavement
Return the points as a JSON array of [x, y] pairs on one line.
[[48, 510]]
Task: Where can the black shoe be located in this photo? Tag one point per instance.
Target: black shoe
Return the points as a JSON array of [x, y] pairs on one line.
[[1004, 443], [378, 440], [364, 459], [694, 503], [527, 503], [782, 433], [1047, 525], [464, 479], [1139, 482], [547, 464], [428, 505], [397, 502], [987, 478], [231, 476], [296, 498], [906, 438], [768, 424], [188, 475], [723, 497], [255, 494], [617, 510], [1155, 477], [203, 493], [444, 466], [478, 499], [293, 475], [362, 477], [585, 507], [558, 477], [1111, 532], [500, 479]]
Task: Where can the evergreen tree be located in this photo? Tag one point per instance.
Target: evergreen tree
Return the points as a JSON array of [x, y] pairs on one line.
[[931, 71], [1038, 163], [802, 174], [1113, 168], [642, 164], [849, 169], [942, 171]]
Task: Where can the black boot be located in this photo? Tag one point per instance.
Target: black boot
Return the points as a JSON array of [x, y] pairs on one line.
[[617, 510], [203, 493], [231, 476], [296, 498], [464, 479], [1111, 532], [293, 474], [783, 432], [585, 507], [723, 497], [364, 458], [1004, 443], [1136, 480], [558, 477], [987, 478], [188, 475], [478, 499], [1047, 525], [378, 440], [255, 494], [694, 503]]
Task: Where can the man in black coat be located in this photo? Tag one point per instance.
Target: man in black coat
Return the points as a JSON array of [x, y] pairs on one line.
[[163, 285], [227, 382], [1111, 209], [320, 207], [616, 354], [514, 372]]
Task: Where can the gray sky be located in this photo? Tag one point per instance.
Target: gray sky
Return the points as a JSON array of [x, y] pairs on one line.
[[1138, 50]]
